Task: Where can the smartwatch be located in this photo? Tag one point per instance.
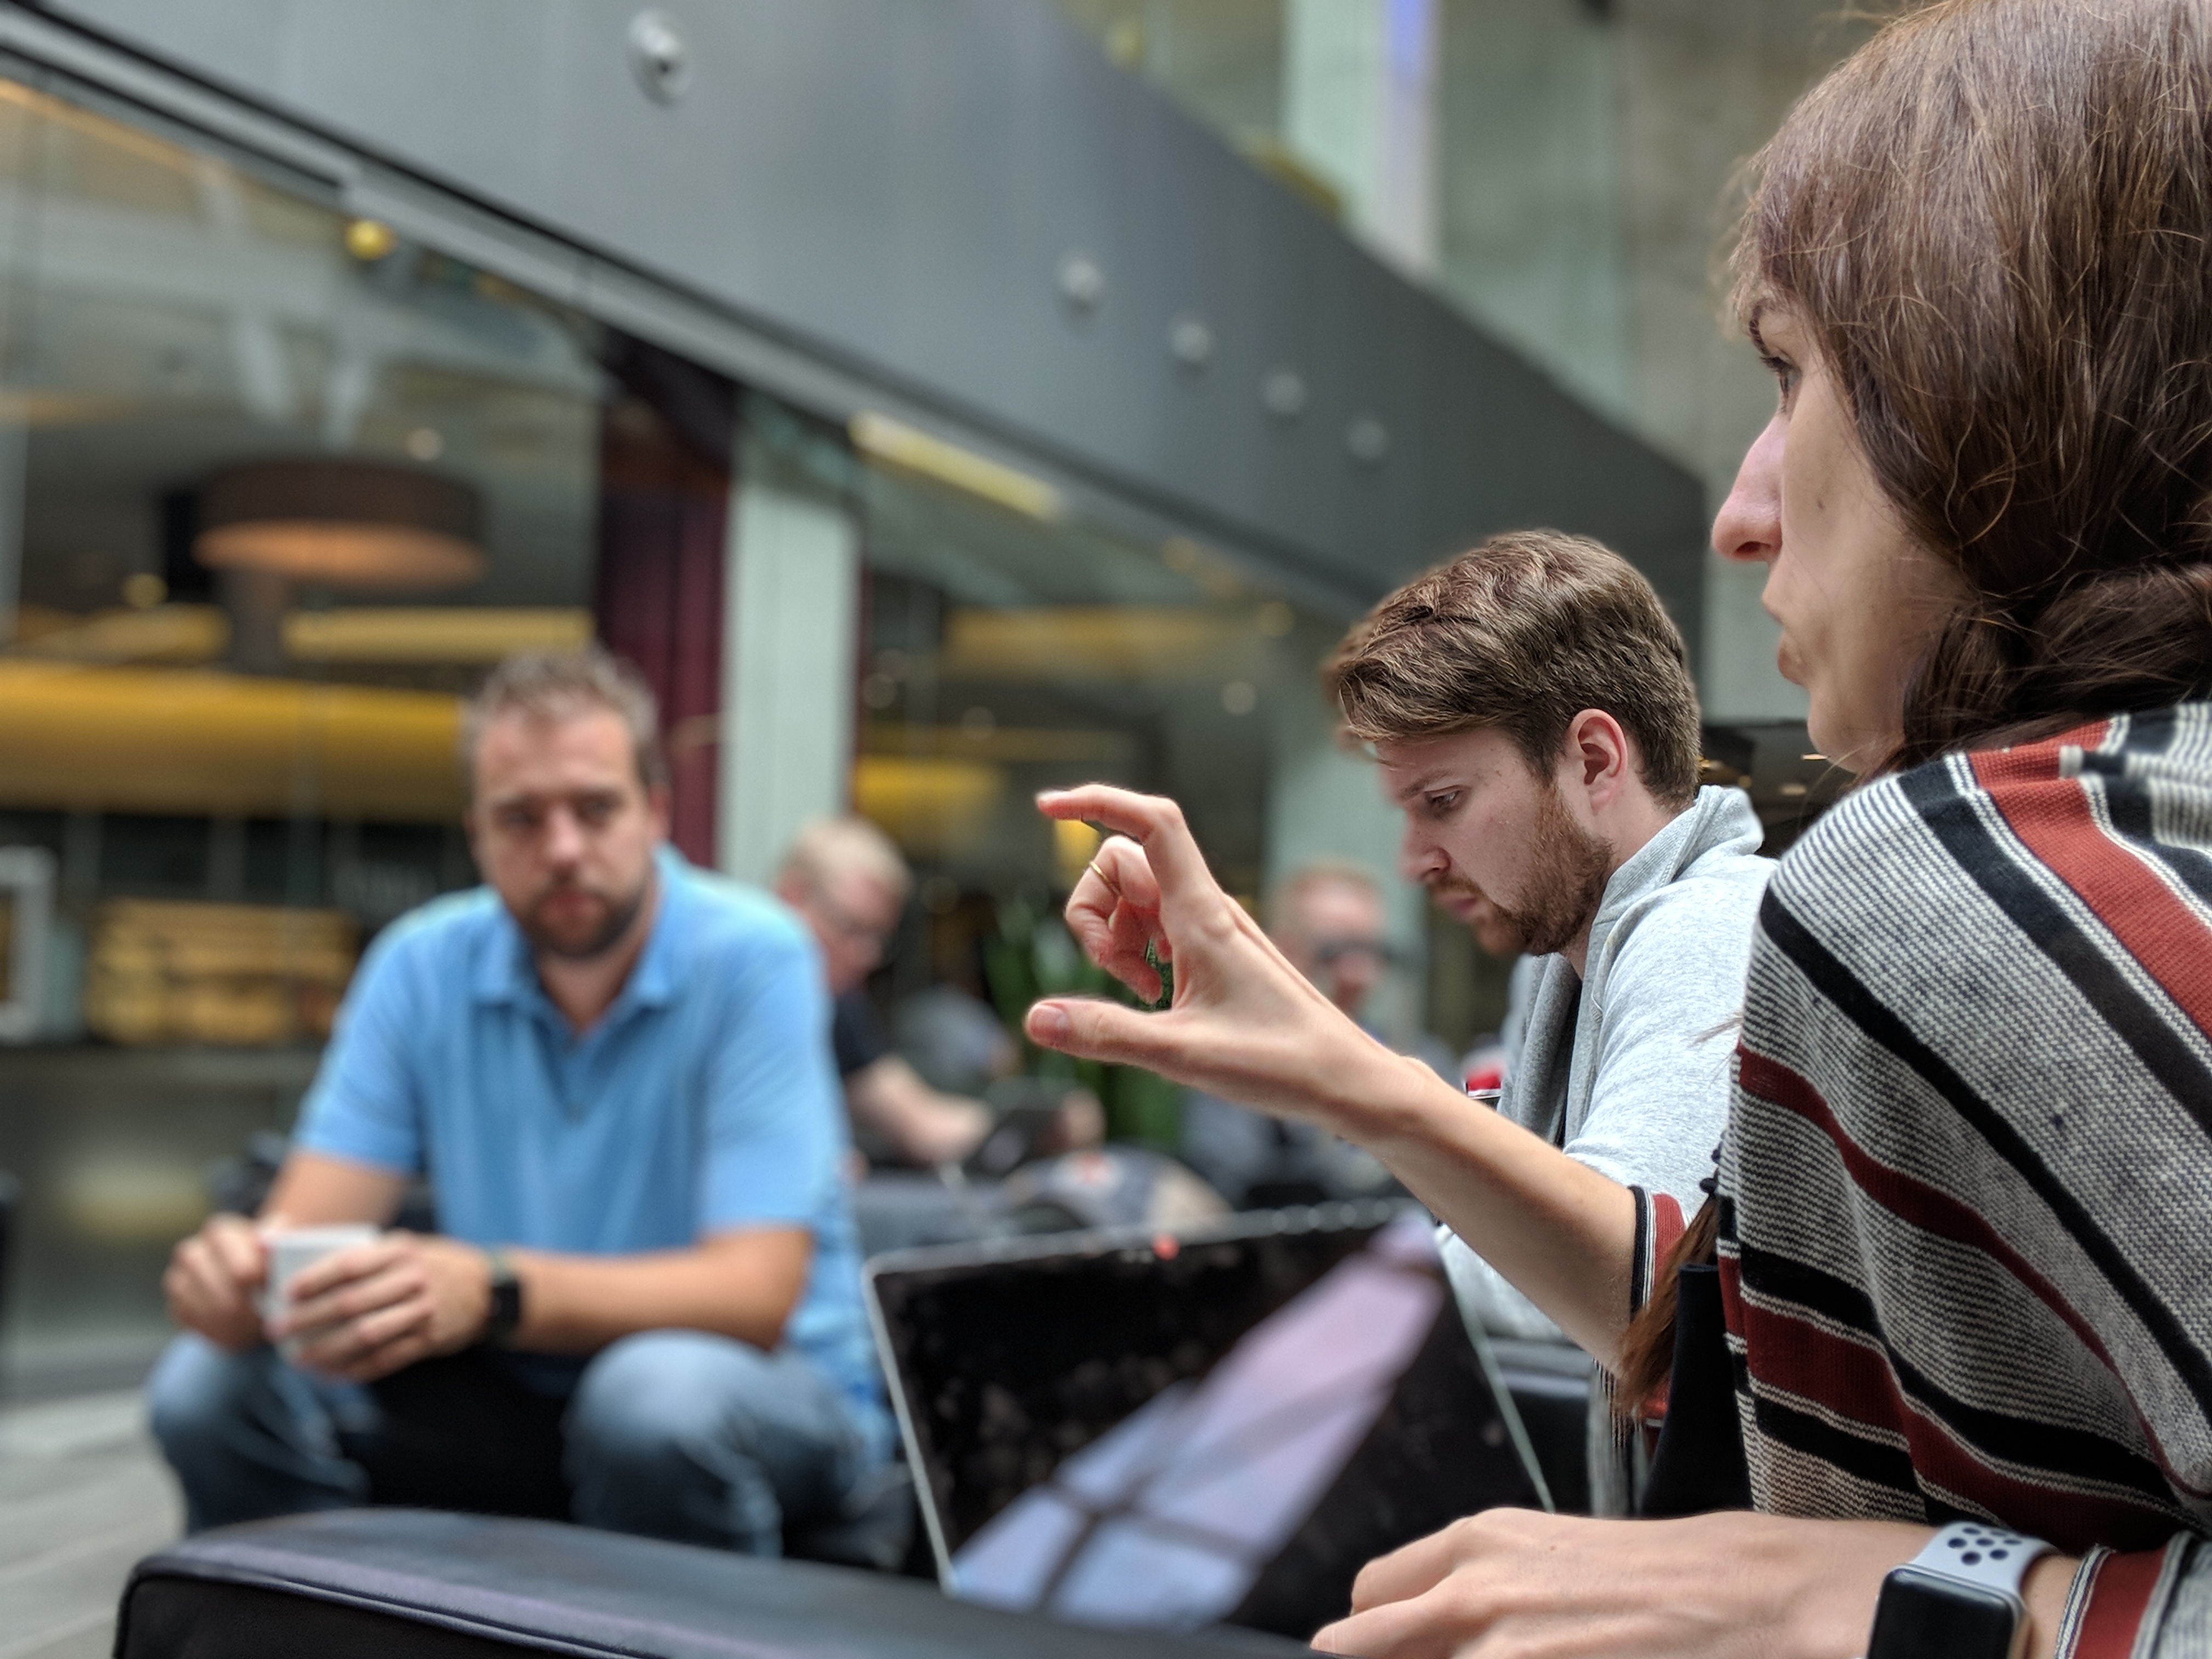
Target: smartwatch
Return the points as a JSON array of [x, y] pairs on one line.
[[1958, 1598], [504, 1316]]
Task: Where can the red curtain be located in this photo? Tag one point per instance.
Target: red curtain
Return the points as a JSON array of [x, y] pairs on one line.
[[664, 444]]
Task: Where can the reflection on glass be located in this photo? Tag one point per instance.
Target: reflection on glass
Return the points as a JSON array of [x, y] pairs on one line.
[[1167, 1520], [1008, 650], [276, 487], [278, 484]]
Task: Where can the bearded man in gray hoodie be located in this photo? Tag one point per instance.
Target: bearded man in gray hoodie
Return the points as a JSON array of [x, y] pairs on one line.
[[1531, 710]]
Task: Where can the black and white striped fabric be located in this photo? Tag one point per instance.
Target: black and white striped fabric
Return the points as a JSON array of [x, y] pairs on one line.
[[1966, 1189]]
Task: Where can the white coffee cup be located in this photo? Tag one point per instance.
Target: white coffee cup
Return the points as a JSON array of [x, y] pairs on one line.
[[292, 1251]]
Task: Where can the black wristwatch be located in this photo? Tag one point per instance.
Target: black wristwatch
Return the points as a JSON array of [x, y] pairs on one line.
[[505, 1317], [1958, 1598]]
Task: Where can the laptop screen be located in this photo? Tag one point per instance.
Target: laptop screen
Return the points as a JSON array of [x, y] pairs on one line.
[[1168, 1430]]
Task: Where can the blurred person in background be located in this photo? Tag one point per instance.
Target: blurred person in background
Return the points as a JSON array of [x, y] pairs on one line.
[[848, 883], [643, 1309], [1326, 917], [955, 1039]]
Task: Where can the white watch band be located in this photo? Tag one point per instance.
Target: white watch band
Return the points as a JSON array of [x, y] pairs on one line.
[[1983, 1554]]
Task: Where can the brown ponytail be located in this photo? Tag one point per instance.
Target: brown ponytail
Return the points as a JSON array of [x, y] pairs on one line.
[[1647, 1348], [2139, 638]]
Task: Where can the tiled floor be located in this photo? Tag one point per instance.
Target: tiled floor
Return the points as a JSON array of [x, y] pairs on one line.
[[82, 1495]]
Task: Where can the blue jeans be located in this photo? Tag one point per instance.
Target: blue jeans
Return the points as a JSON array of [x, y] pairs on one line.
[[673, 1434]]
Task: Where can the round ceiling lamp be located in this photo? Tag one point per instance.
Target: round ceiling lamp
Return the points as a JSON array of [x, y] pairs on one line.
[[350, 524]]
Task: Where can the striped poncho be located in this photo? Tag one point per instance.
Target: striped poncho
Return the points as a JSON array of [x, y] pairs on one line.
[[1966, 1188]]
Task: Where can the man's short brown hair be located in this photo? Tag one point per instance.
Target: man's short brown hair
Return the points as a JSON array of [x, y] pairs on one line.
[[559, 685], [1524, 634]]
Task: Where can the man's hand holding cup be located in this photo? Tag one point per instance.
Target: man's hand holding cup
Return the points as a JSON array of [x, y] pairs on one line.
[[351, 1301], [372, 1306]]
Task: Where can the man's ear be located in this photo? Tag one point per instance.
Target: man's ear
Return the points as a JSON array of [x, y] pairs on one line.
[[1603, 759], [659, 807]]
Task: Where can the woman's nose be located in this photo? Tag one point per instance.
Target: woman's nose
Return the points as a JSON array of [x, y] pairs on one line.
[[1749, 524]]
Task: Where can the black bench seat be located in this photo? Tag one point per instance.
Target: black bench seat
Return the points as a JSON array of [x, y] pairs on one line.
[[413, 1584]]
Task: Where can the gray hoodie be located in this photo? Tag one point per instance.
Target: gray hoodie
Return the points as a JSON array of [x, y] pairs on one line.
[[1627, 1069]]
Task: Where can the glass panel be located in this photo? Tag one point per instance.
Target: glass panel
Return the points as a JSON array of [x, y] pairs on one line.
[[277, 488], [1012, 646]]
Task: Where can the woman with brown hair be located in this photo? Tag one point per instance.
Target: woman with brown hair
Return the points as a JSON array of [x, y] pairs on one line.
[[1964, 1206]]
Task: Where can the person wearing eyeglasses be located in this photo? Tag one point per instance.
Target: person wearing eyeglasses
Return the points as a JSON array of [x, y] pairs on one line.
[[848, 881], [1326, 917]]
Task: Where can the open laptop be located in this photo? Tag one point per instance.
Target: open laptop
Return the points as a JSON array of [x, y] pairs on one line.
[[1171, 1429]]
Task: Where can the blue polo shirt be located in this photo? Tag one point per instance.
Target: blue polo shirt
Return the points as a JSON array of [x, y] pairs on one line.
[[703, 1100]]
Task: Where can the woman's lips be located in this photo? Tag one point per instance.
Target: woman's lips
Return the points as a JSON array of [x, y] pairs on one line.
[[1785, 662]]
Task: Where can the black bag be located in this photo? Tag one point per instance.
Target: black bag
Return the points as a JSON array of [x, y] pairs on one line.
[[412, 1585], [1699, 1465]]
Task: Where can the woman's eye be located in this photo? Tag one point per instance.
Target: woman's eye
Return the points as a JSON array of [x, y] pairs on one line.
[[1784, 373], [1443, 804]]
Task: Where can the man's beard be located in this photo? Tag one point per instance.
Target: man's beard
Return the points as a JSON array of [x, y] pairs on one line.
[[1568, 870], [620, 911]]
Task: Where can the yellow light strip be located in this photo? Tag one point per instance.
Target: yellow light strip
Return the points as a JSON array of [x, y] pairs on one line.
[[20, 407], [116, 133], [1108, 641], [1013, 744], [903, 446], [197, 742], [393, 635], [425, 634], [927, 806], [166, 632]]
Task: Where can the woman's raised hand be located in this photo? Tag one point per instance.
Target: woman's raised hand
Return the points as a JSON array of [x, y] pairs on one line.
[[1115, 914], [1243, 1023]]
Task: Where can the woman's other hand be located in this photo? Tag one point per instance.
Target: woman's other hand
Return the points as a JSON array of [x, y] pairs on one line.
[[1711, 1586]]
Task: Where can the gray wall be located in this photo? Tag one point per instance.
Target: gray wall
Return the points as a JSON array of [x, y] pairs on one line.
[[869, 202], [1587, 158]]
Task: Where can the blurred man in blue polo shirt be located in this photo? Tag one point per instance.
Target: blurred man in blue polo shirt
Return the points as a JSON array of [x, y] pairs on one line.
[[642, 1307]]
